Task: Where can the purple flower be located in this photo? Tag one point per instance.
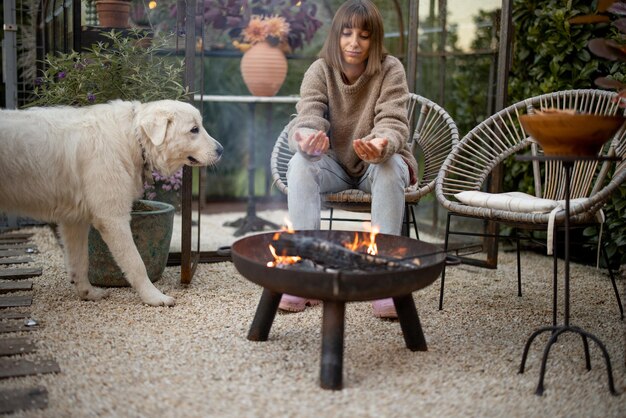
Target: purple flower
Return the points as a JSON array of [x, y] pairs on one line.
[[38, 81], [91, 97], [61, 75]]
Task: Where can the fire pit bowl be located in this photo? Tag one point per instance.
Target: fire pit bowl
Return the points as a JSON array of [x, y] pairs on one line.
[[251, 254], [337, 287]]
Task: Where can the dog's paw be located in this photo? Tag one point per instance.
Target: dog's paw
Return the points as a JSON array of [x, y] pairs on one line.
[[158, 299], [92, 293]]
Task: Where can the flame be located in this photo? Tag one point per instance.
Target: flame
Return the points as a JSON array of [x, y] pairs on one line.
[[367, 241], [282, 259]]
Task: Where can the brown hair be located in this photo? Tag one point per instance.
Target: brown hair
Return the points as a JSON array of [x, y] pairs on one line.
[[361, 14]]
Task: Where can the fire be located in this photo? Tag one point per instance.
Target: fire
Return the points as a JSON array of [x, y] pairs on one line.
[[367, 242], [363, 242], [282, 259]]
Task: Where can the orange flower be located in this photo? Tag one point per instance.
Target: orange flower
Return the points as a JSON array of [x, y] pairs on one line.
[[255, 31], [277, 27]]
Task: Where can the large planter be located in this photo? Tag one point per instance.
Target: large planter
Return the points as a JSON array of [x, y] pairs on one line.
[[113, 13], [151, 224], [264, 69]]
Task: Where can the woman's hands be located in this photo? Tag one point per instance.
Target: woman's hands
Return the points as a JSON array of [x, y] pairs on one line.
[[317, 143], [371, 150], [314, 144]]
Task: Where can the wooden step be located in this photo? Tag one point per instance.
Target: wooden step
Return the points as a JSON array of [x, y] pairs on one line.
[[18, 274], [16, 345], [12, 400], [16, 326], [14, 253], [10, 367], [15, 286], [15, 260], [5, 314], [17, 235], [13, 301], [24, 246]]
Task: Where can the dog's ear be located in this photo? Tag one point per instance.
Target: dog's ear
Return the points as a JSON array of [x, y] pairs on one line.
[[154, 125]]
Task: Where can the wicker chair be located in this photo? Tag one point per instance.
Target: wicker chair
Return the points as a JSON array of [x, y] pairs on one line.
[[501, 136], [434, 133]]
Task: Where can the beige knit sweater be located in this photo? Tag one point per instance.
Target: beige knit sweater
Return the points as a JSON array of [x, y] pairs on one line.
[[372, 107]]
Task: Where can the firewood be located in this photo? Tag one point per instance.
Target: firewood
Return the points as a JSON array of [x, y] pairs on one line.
[[336, 256]]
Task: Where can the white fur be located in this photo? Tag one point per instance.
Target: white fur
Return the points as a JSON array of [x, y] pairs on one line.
[[82, 166]]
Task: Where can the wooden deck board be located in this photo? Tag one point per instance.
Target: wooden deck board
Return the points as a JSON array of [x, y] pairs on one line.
[[5, 314], [12, 400], [15, 286], [16, 345], [10, 367], [14, 326], [17, 274], [15, 260], [28, 245], [16, 235], [14, 301], [14, 253]]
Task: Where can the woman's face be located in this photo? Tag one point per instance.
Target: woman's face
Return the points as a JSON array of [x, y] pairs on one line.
[[355, 46]]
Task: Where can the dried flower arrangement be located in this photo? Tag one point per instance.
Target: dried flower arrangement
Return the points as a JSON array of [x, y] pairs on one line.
[[271, 29]]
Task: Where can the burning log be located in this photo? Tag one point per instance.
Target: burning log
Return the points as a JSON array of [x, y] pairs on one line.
[[336, 256]]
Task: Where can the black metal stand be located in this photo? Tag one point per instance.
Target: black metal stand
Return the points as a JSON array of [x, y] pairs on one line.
[[557, 330], [333, 326], [251, 222]]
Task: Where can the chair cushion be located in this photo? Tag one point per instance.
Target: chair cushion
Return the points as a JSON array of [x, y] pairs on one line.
[[511, 201]]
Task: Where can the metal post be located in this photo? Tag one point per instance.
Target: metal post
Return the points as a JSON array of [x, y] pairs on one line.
[[186, 271], [9, 54], [504, 61], [412, 45]]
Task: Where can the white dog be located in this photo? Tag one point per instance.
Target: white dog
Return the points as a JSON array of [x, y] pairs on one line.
[[85, 165]]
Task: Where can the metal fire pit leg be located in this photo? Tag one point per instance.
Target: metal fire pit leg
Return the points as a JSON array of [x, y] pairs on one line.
[[410, 323], [264, 316], [332, 345]]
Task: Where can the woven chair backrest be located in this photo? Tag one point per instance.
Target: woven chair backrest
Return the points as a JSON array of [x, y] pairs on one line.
[[501, 135]]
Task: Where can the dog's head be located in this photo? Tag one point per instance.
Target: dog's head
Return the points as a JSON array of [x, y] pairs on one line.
[[173, 136]]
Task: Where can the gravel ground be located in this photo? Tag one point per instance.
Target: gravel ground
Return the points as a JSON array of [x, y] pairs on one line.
[[122, 359]]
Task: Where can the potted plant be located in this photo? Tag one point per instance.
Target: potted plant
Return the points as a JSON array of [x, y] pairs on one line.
[[113, 13], [127, 67]]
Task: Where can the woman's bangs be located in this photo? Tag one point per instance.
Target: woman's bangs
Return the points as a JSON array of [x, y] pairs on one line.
[[357, 20]]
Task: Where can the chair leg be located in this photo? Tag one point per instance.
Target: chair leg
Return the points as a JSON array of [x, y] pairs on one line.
[[405, 222], [330, 220], [443, 272], [608, 266], [519, 262], [555, 290], [412, 210]]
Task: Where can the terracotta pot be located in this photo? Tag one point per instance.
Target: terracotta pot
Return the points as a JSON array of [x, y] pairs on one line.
[[264, 69], [113, 13]]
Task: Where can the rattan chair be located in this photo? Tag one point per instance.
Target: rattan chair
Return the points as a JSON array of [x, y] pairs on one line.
[[501, 136], [433, 135]]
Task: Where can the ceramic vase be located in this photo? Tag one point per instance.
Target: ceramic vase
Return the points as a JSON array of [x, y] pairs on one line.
[[264, 69]]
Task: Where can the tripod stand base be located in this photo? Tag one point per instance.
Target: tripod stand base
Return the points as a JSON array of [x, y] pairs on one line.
[[250, 223]]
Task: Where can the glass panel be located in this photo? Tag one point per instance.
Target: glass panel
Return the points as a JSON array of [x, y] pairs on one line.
[[456, 66], [59, 26], [69, 27]]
